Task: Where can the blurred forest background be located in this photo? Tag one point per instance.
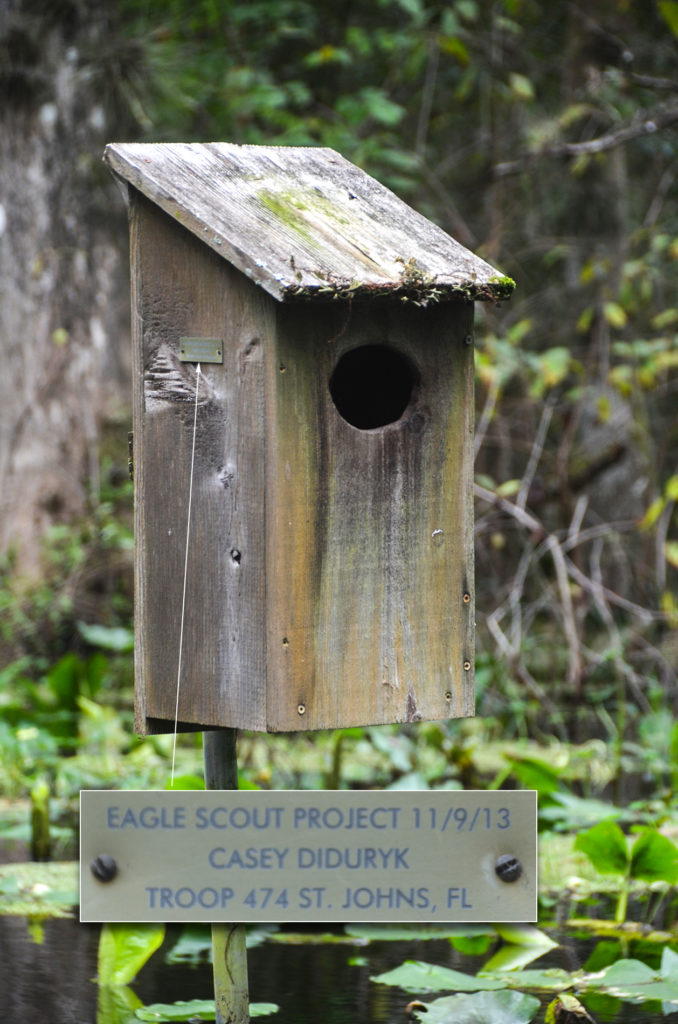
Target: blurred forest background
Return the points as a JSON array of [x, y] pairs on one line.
[[540, 135]]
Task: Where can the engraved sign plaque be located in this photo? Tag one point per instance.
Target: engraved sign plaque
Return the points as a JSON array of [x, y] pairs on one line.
[[201, 350], [234, 856]]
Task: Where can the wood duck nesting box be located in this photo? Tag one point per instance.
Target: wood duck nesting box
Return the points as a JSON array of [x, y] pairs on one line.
[[330, 564]]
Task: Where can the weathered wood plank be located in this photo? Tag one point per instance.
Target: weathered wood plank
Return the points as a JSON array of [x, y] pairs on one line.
[[182, 289], [370, 532], [304, 222]]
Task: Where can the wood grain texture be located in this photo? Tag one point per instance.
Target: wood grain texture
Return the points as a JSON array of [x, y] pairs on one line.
[[370, 531], [327, 564], [181, 288], [304, 222]]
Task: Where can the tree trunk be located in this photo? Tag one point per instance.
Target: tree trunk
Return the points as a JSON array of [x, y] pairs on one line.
[[64, 324]]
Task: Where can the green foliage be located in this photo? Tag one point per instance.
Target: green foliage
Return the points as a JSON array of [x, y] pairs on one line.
[[124, 949], [626, 979], [651, 858], [605, 846], [38, 891], [499, 1007], [416, 976]]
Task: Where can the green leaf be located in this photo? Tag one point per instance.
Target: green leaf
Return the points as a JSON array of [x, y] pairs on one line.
[[481, 1008], [414, 8], [606, 848], [110, 638], [195, 1009], [512, 958], [555, 364], [65, 677], [667, 318], [523, 944], [468, 9], [614, 314], [453, 46], [534, 773], [194, 946], [551, 979], [124, 949], [117, 1005], [521, 87], [525, 935], [416, 976], [380, 107], [472, 945], [653, 513], [508, 488], [669, 966], [577, 811], [634, 981], [654, 858], [669, 12], [185, 782]]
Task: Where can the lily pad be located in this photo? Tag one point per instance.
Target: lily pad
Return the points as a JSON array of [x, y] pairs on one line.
[[195, 1010], [551, 979], [480, 1008], [634, 981], [628, 980], [417, 976]]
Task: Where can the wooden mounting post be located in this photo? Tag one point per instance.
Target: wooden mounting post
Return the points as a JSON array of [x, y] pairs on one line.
[[228, 940]]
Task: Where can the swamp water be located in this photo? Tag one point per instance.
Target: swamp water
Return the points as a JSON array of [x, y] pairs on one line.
[[47, 972]]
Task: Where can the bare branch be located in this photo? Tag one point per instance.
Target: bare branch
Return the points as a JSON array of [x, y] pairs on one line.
[[427, 96], [650, 82], [646, 122], [551, 542], [530, 522], [485, 419], [535, 454]]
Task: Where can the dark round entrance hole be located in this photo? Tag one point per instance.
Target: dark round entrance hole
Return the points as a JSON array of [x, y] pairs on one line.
[[372, 386]]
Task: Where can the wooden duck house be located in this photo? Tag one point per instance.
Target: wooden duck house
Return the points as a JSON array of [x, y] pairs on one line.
[[329, 575]]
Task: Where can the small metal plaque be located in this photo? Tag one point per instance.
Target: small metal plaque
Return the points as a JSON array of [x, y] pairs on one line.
[[308, 857], [201, 350]]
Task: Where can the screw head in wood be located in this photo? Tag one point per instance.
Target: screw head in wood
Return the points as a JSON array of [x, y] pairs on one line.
[[508, 868], [448, 695], [468, 340], [104, 867], [301, 709], [467, 598], [467, 666]]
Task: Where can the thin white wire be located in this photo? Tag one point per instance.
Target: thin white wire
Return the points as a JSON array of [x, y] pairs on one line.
[[183, 596]]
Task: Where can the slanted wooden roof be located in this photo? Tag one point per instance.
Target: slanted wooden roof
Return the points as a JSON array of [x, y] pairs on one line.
[[304, 222]]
